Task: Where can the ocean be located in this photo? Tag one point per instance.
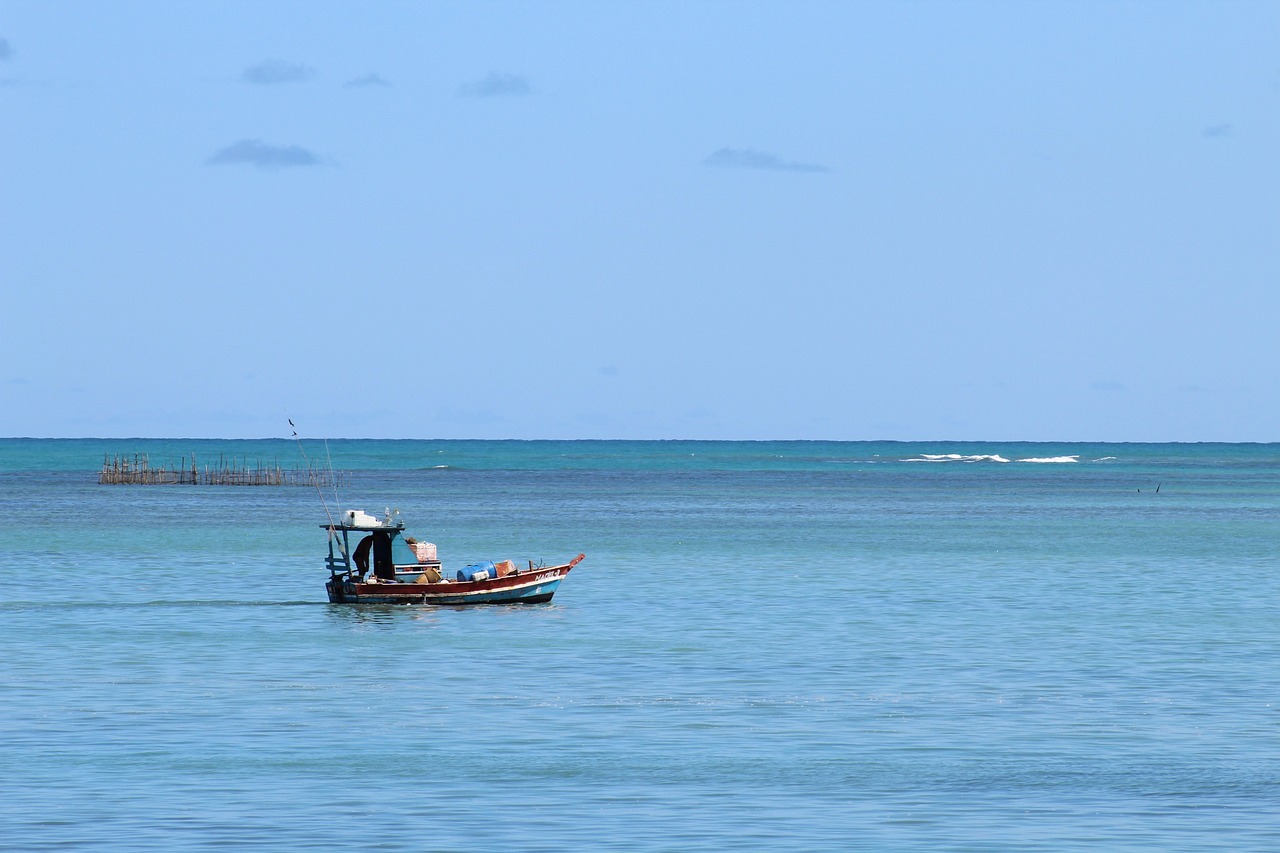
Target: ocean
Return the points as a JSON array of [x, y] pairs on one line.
[[770, 646]]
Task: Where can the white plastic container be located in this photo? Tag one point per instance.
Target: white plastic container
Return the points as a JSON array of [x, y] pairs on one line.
[[360, 518]]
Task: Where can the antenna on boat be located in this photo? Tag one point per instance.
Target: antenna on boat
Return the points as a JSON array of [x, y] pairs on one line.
[[323, 503]]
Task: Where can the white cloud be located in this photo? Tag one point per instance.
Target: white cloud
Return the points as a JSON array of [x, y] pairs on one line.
[[367, 81], [273, 72], [749, 158], [255, 152], [497, 85]]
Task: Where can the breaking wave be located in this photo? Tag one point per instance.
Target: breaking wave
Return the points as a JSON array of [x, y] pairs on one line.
[[989, 457], [955, 457]]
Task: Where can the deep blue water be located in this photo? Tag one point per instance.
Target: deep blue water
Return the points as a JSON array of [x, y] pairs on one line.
[[770, 646]]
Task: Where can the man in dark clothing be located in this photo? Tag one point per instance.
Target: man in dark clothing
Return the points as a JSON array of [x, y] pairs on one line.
[[383, 567], [361, 555]]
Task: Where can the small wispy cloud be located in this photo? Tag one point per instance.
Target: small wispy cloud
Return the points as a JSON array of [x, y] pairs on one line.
[[273, 72], [1217, 131], [6, 52], [367, 81], [255, 152], [749, 158], [496, 85]]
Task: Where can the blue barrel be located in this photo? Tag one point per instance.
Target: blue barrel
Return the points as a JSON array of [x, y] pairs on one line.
[[469, 572]]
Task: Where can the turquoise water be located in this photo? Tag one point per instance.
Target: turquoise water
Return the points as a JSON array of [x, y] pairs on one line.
[[770, 646]]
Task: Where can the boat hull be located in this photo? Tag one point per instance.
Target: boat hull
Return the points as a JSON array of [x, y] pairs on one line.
[[535, 586]]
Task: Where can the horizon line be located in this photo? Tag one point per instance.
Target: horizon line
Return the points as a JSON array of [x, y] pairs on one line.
[[690, 440]]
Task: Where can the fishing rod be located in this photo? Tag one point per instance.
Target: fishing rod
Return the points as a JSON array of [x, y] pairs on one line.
[[333, 478], [314, 480]]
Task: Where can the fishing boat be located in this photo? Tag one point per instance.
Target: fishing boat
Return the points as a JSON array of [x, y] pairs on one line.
[[371, 561]]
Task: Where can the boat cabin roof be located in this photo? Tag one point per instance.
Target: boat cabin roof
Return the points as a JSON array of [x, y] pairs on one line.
[[385, 528], [359, 521]]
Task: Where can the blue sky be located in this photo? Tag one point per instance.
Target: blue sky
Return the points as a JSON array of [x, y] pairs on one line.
[[854, 220]]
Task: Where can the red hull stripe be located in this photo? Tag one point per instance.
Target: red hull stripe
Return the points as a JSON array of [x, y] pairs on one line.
[[461, 588]]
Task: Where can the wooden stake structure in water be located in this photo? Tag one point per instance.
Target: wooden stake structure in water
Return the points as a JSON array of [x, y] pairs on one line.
[[124, 470]]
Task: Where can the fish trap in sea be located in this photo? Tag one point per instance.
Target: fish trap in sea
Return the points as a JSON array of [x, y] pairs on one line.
[[137, 470]]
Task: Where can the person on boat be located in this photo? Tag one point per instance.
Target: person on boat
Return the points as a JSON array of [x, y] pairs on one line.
[[380, 544], [383, 567], [361, 555]]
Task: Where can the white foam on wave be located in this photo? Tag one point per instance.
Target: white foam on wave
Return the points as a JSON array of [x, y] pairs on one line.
[[956, 457], [1052, 460]]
